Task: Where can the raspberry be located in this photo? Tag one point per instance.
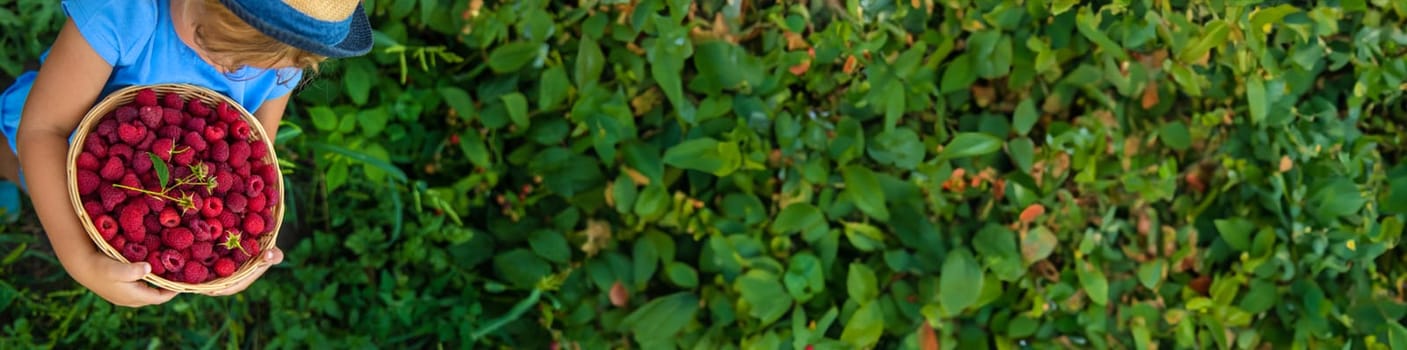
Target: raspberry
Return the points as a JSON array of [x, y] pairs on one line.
[[240, 130], [236, 203], [217, 229], [132, 222], [87, 161], [151, 115], [163, 148], [243, 172], [146, 141], [239, 154], [131, 133], [229, 220], [178, 238], [258, 153], [214, 133], [174, 117], [111, 197], [224, 180], [172, 260], [118, 243], [195, 273], [120, 150], [155, 260], [170, 218], [200, 230], [196, 125], [226, 112], [155, 205], [224, 267], [93, 208], [173, 101], [254, 224], [107, 227], [88, 181], [185, 159], [153, 227], [122, 115], [141, 165], [134, 252], [251, 249], [180, 172], [219, 151], [130, 180], [213, 207], [170, 132], [112, 170], [256, 184], [202, 250], [194, 141], [256, 203], [96, 145], [198, 109], [146, 97]]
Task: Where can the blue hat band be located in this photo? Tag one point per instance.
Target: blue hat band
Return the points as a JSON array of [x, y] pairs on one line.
[[278, 16]]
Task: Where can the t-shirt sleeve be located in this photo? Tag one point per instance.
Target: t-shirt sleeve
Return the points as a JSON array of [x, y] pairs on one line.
[[115, 29]]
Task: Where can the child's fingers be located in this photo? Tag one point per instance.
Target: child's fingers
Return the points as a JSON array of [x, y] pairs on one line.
[[127, 272], [142, 295]]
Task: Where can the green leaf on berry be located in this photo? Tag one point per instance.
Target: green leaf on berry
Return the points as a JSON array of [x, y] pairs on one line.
[[162, 173]]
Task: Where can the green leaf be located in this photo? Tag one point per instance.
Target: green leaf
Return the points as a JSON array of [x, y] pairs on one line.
[[1092, 278], [324, 119], [970, 144], [804, 278], [1397, 336], [459, 100], [706, 155], [473, 147], [1265, 16], [798, 217], [662, 318], [521, 267], [1025, 116], [1038, 245], [1088, 25], [861, 284], [899, 148], [1150, 274], [1021, 327], [1236, 232], [1058, 7], [682, 274], [863, 188], [959, 75], [373, 121], [512, 56], [517, 106], [1255, 97], [550, 245], [961, 281], [864, 237], [646, 261], [765, 295], [1190, 82], [589, 63], [1175, 135], [1023, 153], [1260, 298], [553, 89], [358, 80], [163, 174], [1215, 34], [865, 326], [893, 105]]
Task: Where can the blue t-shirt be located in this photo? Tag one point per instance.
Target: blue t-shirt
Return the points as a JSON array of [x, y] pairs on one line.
[[138, 39]]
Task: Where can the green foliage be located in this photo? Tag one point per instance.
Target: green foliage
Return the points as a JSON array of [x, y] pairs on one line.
[[726, 174]]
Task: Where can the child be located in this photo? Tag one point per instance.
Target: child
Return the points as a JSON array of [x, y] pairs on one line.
[[253, 51]]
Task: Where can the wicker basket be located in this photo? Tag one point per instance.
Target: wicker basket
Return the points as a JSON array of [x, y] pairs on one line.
[[191, 93]]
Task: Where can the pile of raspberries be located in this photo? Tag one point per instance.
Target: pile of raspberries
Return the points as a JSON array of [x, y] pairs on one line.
[[217, 198]]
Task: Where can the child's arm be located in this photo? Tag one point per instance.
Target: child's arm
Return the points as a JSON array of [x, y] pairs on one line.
[[67, 86], [269, 115]]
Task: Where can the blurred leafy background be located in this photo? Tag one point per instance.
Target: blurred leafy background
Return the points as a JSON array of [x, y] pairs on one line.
[[827, 174]]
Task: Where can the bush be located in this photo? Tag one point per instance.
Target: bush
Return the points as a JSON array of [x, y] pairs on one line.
[[858, 174]]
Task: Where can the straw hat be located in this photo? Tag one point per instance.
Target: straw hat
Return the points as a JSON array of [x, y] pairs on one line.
[[332, 28]]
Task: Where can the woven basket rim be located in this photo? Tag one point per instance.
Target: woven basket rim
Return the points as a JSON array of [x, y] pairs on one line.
[[189, 92]]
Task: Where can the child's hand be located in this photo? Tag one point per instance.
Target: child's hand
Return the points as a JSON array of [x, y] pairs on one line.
[[269, 258], [117, 282]]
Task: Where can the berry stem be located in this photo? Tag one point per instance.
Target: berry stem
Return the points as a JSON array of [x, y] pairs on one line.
[[159, 195]]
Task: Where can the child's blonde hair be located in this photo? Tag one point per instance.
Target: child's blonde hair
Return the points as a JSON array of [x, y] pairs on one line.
[[227, 37]]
